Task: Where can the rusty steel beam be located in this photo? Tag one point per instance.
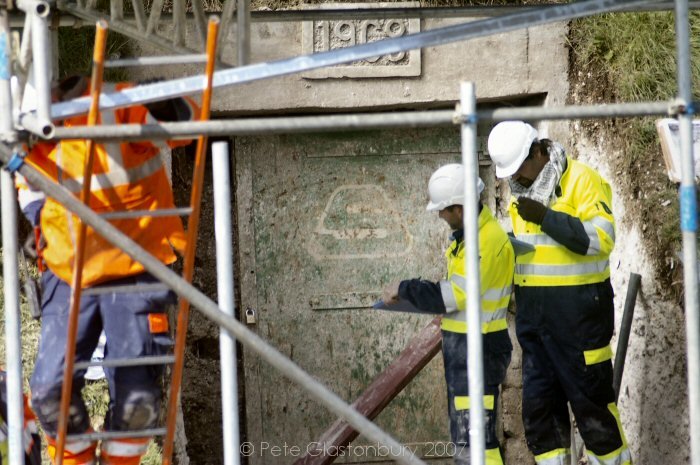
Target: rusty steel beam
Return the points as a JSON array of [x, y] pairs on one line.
[[383, 389]]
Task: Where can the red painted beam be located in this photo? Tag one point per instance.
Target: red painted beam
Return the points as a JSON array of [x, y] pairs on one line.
[[383, 389]]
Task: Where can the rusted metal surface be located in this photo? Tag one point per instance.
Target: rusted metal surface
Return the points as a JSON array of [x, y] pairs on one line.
[[383, 389]]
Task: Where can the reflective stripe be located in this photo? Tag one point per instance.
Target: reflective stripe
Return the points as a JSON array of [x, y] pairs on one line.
[[597, 355], [605, 225], [456, 326], [448, 296], [464, 402], [493, 457], [497, 294], [554, 457], [593, 239], [124, 448], [620, 456], [459, 281], [576, 269], [538, 239], [116, 175], [121, 177], [76, 447]]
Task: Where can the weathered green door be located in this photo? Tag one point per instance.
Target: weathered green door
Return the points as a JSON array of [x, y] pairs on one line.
[[325, 221]]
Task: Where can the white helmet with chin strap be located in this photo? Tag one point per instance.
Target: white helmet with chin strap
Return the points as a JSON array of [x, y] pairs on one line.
[[509, 144], [446, 187]]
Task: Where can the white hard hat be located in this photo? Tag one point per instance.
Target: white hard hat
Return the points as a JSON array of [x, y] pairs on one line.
[[509, 144], [446, 187]]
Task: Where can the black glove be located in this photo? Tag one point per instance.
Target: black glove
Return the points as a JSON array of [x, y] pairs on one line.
[[531, 210]]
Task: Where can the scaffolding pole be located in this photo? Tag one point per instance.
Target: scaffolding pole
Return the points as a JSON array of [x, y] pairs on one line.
[[212, 311], [223, 233], [689, 220], [13, 347], [441, 36], [243, 32], [356, 121], [475, 360]]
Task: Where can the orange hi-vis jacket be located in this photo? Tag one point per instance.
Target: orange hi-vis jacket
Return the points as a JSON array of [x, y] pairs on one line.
[[126, 176]]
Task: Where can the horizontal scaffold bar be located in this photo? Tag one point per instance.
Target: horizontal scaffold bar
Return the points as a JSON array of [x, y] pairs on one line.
[[353, 122], [440, 36]]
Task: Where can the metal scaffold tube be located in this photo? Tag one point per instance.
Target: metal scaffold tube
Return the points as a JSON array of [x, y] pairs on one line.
[[15, 402], [689, 225], [41, 60], [441, 36], [352, 122], [243, 32], [223, 232], [13, 357], [475, 360], [212, 311]]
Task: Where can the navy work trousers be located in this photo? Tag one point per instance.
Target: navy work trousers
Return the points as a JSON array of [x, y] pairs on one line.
[[557, 327], [497, 351], [134, 391]]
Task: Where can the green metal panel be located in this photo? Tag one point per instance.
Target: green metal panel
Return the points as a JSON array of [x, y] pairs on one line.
[[332, 219]]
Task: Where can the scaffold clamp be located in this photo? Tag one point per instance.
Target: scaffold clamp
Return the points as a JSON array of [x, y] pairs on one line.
[[459, 118], [16, 161], [680, 107]]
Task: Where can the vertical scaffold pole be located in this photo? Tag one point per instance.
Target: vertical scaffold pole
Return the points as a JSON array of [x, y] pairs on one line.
[[13, 356], [227, 299], [41, 59], [243, 32], [477, 437], [13, 348], [689, 219]]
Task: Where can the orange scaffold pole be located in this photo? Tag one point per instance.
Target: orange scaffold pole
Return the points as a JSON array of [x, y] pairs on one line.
[[192, 231], [76, 282]]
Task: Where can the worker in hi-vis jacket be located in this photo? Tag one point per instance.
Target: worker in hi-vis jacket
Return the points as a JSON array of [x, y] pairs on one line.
[[126, 176], [563, 295], [449, 298]]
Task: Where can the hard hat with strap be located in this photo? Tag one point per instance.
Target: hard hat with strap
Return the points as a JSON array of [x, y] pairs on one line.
[[509, 144], [446, 187]]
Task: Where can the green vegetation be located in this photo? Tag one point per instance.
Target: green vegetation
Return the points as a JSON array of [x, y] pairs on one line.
[[633, 59]]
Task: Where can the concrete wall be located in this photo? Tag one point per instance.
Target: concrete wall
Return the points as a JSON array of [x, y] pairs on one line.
[[653, 400]]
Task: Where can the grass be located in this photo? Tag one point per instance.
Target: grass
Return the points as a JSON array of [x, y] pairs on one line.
[[635, 53]]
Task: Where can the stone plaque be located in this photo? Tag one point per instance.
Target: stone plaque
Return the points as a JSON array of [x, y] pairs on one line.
[[322, 36]]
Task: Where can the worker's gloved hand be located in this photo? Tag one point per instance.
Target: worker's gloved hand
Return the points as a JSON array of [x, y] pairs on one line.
[[530, 210], [390, 295], [30, 245]]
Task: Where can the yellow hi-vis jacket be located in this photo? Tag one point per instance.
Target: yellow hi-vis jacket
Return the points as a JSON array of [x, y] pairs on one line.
[[126, 176], [586, 197], [496, 261]]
